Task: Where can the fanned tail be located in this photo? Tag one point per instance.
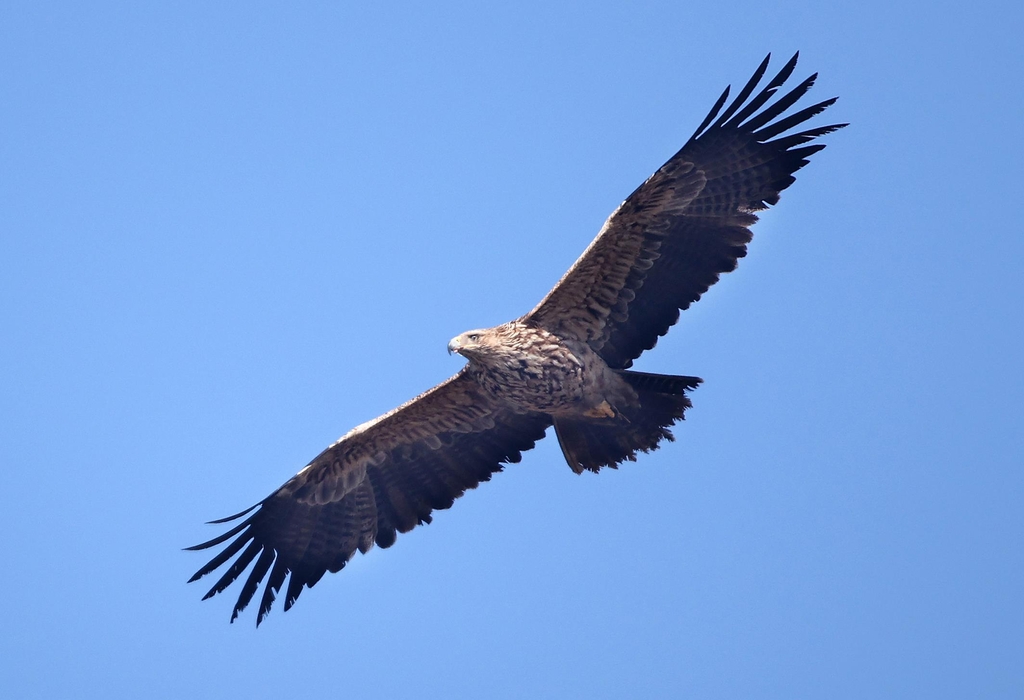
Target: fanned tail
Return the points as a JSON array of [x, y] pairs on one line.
[[592, 443]]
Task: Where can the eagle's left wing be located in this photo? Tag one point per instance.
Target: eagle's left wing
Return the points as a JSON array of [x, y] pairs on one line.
[[688, 223], [382, 478]]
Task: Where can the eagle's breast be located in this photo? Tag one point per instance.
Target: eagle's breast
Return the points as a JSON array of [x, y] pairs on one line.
[[533, 370]]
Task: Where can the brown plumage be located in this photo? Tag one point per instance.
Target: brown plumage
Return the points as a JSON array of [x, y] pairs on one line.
[[566, 363]]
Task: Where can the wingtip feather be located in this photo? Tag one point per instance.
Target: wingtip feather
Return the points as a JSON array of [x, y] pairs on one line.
[[712, 114], [236, 516], [745, 93], [222, 537]]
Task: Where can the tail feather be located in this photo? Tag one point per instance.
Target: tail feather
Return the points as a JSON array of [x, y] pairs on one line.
[[592, 443], [659, 383]]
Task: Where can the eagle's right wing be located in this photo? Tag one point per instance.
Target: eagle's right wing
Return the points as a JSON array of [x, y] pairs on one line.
[[382, 478]]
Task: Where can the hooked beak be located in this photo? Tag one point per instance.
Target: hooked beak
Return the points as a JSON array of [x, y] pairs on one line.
[[454, 345]]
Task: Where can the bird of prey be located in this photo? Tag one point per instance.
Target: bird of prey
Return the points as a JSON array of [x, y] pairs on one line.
[[564, 364]]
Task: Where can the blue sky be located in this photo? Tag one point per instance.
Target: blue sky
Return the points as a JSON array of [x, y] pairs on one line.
[[230, 233]]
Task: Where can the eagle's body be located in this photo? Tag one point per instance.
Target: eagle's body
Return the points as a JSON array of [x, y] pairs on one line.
[[530, 369], [565, 363]]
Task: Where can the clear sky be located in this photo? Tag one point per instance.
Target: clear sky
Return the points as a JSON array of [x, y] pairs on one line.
[[230, 232]]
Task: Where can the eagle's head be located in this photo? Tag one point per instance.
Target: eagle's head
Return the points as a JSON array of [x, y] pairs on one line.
[[473, 344], [504, 345]]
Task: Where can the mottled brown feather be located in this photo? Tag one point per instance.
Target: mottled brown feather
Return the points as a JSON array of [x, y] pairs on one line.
[[410, 462], [672, 238]]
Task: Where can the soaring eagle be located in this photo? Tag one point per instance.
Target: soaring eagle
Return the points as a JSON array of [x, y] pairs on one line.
[[565, 363]]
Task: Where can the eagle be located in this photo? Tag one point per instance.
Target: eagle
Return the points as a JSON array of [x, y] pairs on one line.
[[564, 364]]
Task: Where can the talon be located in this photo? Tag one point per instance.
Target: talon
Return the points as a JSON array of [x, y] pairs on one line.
[[602, 410]]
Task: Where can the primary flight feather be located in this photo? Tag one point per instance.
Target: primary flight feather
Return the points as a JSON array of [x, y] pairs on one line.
[[565, 363]]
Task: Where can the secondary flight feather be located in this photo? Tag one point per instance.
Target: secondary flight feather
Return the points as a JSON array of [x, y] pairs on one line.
[[564, 364]]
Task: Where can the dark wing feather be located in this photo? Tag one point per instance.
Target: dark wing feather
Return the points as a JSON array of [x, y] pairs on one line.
[[382, 478], [686, 225]]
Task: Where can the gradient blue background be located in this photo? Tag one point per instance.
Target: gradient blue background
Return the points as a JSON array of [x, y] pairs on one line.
[[230, 233]]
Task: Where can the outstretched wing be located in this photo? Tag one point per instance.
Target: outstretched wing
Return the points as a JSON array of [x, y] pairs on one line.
[[382, 478], [688, 223]]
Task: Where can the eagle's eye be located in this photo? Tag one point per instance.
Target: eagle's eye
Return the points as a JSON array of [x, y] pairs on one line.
[[474, 337]]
